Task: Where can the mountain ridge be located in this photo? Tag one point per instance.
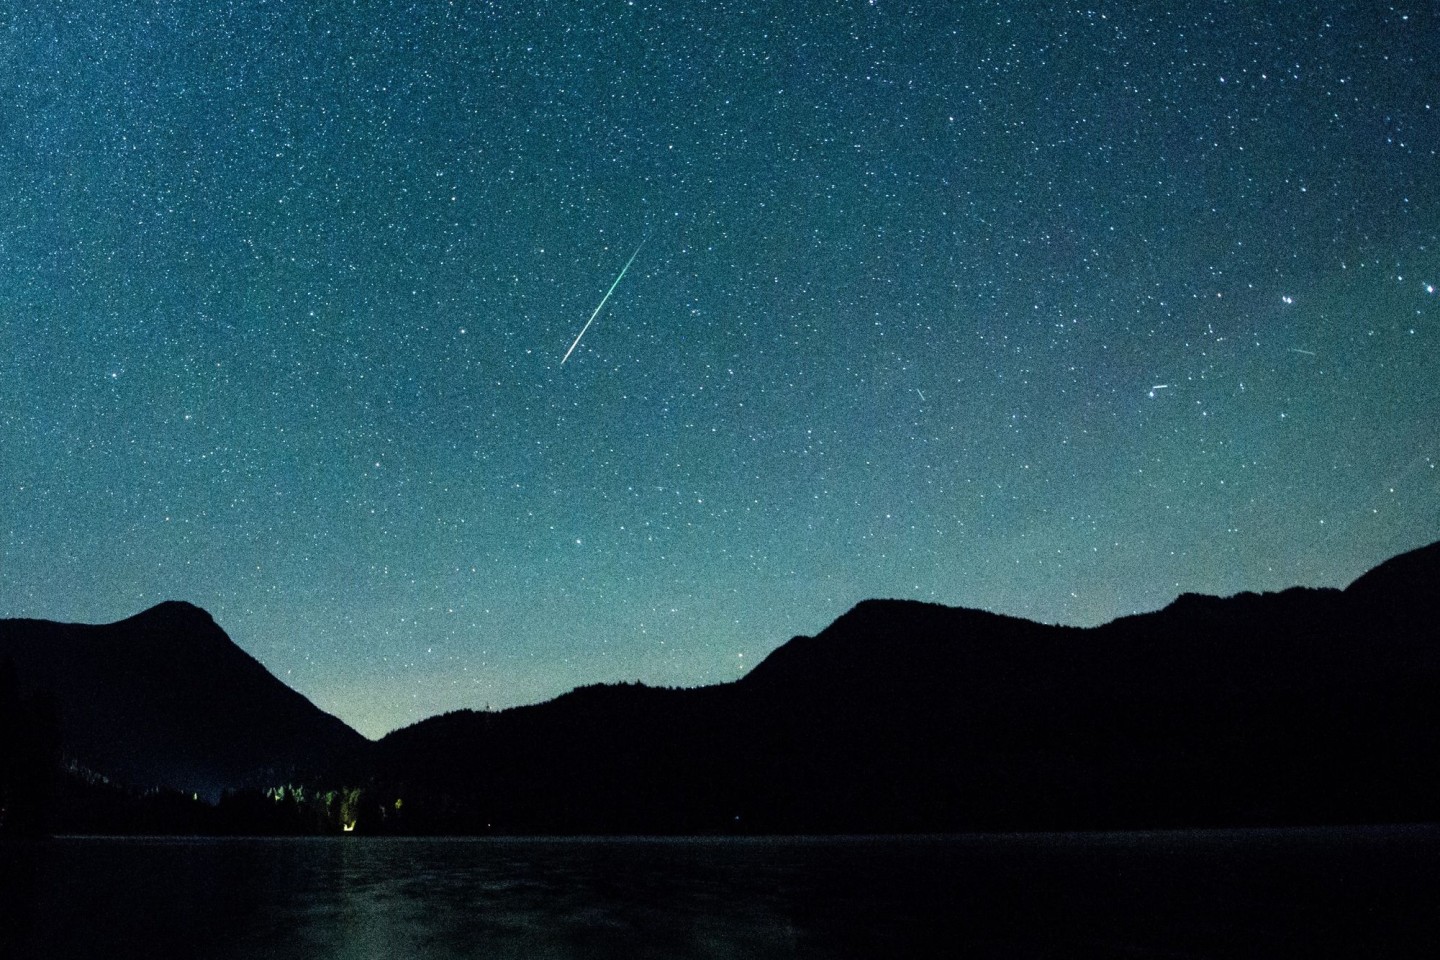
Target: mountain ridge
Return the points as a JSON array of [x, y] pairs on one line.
[[1305, 705], [166, 698]]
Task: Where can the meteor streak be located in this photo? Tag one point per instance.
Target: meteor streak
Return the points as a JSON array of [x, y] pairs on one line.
[[602, 301]]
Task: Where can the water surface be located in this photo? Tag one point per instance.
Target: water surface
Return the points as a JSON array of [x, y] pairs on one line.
[[1353, 893]]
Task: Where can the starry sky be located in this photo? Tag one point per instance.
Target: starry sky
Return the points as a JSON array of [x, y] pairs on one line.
[[1052, 309]]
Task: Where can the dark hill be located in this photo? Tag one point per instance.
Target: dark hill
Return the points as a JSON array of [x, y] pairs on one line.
[[1305, 706], [165, 698]]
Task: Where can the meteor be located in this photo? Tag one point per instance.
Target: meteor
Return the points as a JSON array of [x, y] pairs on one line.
[[602, 301]]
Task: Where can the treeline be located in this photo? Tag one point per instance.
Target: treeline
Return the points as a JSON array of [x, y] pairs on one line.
[[87, 805], [79, 801]]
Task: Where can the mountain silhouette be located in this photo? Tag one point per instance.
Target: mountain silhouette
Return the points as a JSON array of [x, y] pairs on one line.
[[165, 698], [1304, 706]]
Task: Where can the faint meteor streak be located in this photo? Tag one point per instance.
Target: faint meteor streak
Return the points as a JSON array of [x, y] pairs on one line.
[[602, 301]]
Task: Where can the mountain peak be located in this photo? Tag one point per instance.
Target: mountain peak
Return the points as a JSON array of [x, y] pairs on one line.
[[165, 697], [1415, 573], [177, 609], [907, 615]]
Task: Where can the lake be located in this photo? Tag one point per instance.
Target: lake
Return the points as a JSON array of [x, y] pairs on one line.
[[1371, 892]]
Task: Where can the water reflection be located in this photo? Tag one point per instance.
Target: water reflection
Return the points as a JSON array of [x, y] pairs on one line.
[[388, 898], [1372, 892]]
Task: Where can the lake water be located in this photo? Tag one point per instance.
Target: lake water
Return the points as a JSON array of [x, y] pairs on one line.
[[1350, 893]]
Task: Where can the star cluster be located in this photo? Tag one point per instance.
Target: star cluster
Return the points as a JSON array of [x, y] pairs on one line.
[[1051, 309]]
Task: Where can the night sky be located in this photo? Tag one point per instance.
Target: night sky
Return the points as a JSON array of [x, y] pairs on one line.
[[1053, 310]]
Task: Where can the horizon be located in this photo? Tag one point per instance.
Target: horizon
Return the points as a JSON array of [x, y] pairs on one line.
[[340, 712], [461, 354]]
